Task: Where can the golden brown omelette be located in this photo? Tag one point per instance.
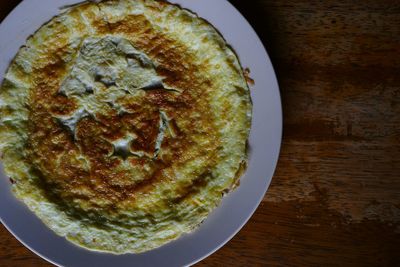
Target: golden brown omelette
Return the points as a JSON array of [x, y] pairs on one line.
[[123, 123]]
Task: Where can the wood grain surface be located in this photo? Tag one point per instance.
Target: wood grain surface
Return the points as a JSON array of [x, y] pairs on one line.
[[335, 197]]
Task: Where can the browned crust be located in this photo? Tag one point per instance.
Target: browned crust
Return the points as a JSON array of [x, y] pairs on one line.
[[48, 139]]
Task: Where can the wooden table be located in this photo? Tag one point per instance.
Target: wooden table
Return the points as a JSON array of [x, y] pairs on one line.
[[335, 197]]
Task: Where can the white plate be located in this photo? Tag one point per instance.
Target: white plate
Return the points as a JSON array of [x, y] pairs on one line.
[[234, 210]]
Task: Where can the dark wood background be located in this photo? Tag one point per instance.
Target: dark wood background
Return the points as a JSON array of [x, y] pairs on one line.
[[335, 197]]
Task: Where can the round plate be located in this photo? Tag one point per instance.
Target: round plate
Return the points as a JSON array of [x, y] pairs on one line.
[[235, 209]]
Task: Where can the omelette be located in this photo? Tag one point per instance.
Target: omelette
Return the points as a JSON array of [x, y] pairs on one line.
[[123, 123]]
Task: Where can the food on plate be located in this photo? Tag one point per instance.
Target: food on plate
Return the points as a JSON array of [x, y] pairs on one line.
[[123, 123]]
